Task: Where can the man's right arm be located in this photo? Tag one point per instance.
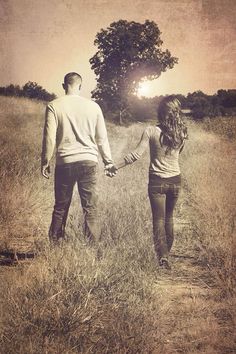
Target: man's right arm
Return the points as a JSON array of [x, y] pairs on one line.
[[49, 140]]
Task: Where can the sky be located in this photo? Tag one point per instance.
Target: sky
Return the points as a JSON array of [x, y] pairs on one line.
[[42, 40]]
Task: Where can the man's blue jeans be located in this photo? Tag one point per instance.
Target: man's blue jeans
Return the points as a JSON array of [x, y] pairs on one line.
[[163, 195], [84, 174]]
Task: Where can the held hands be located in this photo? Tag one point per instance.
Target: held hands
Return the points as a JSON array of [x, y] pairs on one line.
[[110, 170], [45, 170]]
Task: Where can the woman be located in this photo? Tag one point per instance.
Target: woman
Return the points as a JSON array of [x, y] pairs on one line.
[[166, 141]]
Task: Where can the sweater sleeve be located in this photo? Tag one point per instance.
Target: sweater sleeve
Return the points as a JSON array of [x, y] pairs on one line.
[[102, 139], [140, 148], [49, 135]]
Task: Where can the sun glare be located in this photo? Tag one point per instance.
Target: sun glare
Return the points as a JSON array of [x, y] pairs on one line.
[[143, 89]]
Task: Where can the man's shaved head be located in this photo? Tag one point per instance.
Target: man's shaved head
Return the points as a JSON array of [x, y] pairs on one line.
[[72, 79]]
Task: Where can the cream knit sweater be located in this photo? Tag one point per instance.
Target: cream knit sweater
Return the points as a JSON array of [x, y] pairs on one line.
[[76, 127]]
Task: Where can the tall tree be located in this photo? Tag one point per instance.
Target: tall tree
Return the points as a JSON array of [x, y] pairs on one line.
[[128, 52]]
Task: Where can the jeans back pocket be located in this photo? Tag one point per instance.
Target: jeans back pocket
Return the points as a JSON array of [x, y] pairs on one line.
[[157, 189]]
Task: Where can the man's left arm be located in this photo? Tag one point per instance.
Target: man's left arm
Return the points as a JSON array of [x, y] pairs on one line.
[[102, 139], [103, 145], [49, 140]]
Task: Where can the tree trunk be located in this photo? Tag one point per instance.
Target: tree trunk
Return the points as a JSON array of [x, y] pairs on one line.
[[122, 111], [121, 118]]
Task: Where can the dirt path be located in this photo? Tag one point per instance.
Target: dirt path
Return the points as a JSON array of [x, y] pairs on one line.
[[188, 302], [193, 318]]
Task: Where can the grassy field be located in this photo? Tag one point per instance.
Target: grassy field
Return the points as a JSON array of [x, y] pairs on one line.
[[223, 126], [67, 301]]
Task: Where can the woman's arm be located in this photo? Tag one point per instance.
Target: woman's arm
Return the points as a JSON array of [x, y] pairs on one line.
[[139, 150], [131, 157], [136, 153]]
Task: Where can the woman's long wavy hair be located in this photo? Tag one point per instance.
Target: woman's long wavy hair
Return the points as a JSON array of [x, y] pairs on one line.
[[173, 129]]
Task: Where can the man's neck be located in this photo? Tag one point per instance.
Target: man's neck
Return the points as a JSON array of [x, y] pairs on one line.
[[72, 93]]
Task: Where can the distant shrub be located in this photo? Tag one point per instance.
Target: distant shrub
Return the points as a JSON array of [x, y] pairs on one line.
[[30, 90]]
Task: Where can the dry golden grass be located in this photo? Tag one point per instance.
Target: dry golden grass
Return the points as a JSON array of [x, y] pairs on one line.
[[68, 301], [223, 126], [212, 186]]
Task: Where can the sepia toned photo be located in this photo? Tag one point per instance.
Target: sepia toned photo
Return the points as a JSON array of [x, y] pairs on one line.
[[117, 172]]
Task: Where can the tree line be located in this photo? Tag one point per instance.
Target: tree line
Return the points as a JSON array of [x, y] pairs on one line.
[[222, 103], [198, 105], [30, 90]]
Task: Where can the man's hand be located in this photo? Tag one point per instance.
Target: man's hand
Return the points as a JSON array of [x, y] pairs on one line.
[[110, 170], [45, 170]]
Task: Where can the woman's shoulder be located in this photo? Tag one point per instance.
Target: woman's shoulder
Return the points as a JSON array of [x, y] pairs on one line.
[[152, 130]]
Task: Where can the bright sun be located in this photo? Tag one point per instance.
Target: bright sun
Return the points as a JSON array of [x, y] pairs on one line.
[[143, 89]]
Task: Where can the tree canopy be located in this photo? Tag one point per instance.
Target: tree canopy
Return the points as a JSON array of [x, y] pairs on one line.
[[128, 52]]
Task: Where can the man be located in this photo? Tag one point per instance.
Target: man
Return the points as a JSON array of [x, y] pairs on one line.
[[76, 127]]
